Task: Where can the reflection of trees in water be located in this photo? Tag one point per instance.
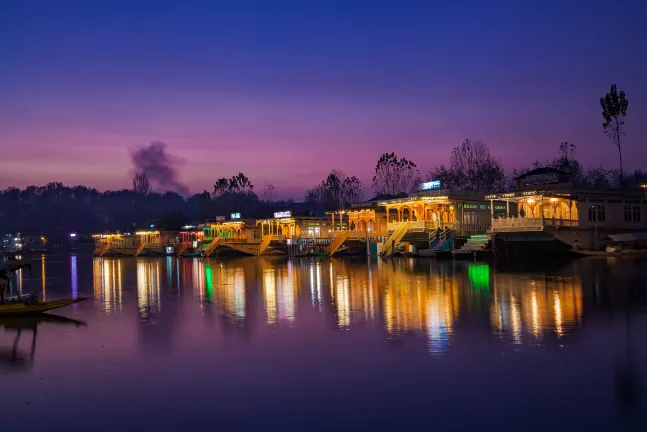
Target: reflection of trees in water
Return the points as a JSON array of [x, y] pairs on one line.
[[107, 277]]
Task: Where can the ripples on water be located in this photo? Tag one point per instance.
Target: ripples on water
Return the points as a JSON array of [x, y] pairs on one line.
[[449, 313]]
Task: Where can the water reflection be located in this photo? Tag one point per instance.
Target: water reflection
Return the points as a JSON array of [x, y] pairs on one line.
[[535, 306], [107, 276], [15, 357], [225, 287], [421, 303], [207, 328], [75, 277], [43, 274], [280, 291], [148, 288], [404, 297]]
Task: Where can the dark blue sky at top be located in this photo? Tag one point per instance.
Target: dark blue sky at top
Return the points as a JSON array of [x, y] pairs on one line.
[[342, 77]]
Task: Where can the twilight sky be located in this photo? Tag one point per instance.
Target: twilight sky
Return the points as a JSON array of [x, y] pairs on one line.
[[287, 90]]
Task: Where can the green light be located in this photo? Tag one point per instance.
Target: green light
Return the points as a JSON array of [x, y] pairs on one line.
[[479, 276], [208, 276]]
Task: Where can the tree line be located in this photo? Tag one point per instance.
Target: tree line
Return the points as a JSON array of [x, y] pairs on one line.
[[56, 209]]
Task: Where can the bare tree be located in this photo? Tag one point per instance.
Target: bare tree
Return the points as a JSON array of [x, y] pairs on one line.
[[614, 110], [472, 167], [141, 184], [393, 175], [268, 191], [351, 190]]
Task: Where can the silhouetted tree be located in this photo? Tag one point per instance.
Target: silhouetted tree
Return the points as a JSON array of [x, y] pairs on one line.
[[141, 184], [614, 110], [336, 191], [173, 221], [393, 175], [472, 167], [240, 183], [268, 191], [221, 186]]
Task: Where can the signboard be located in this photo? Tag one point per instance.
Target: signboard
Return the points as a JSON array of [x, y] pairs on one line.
[[283, 214], [220, 218], [434, 184], [542, 179], [235, 215]]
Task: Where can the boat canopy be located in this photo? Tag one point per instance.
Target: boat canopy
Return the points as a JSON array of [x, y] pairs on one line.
[[628, 237]]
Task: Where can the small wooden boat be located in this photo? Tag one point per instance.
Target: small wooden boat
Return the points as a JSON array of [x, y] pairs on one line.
[[13, 265], [29, 305]]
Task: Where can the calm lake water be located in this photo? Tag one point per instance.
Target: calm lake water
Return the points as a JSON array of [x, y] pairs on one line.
[[259, 343]]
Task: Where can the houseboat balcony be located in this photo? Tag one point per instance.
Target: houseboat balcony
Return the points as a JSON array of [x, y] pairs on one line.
[[530, 224]]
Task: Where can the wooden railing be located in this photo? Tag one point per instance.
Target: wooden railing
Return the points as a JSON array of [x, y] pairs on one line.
[[529, 224]]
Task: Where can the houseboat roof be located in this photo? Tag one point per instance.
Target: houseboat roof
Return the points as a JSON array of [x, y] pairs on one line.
[[294, 219], [567, 192], [436, 195]]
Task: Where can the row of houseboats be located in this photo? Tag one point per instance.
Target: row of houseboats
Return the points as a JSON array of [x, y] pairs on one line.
[[546, 214]]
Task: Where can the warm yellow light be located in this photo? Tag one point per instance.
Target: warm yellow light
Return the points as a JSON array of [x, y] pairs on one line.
[[146, 232], [553, 200], [530, 200]]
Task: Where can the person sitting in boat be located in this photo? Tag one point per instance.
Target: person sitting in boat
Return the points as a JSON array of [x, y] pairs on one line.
[[4, 282]]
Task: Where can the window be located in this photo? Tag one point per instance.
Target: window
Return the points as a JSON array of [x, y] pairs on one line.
[[632, 214], [597, 213]]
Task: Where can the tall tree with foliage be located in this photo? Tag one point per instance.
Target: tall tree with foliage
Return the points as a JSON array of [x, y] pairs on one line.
[[141, 185], [614, 110], [472, 167], [240, 183], [394, 176], [221, 186]]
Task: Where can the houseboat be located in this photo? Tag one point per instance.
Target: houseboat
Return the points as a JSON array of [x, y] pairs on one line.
[[295, 234], [352, 228], [231, 237], [548, 216], [433, 219]]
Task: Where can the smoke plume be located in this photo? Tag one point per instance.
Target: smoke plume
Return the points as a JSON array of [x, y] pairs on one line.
[[160, 167]]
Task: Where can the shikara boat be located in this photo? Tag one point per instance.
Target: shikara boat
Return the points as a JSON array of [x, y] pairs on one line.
[[29, 305], [13, 265]]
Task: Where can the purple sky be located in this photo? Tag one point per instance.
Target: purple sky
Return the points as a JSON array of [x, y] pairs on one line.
[[286, 91]]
